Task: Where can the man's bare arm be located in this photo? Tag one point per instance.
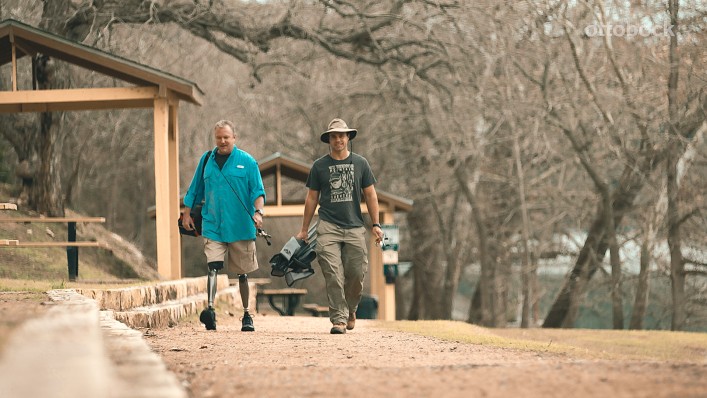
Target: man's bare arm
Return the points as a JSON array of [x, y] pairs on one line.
[[310, 204]]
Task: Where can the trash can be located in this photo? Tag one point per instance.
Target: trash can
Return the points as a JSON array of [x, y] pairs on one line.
[[367, 308]]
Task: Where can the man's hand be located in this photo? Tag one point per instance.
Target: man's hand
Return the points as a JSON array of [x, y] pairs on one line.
[[302, 235], [258, 220], [187, 221], [379, 234]]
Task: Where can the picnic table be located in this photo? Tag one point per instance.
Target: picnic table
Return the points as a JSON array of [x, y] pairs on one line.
[[289, 299]]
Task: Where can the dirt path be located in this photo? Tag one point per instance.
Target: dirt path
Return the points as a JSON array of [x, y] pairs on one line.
[[297, 357], [17, 307]]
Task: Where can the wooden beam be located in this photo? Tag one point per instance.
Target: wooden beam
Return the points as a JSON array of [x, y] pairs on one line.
[[79, 95], [62, 107], [164, 219], [298, 210], [15, 243], [285, 211], [51, 219], [108, 64]]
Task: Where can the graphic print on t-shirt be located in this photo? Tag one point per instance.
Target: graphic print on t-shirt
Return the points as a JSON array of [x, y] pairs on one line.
[[341, 178]]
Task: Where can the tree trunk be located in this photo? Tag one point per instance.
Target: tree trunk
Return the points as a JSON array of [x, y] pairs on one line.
[[46, 196], [641, 301], [454, 249], [596, 244], [39, 146], [489, 307], [677, 263], [475, 305], [615, 260], [526, 265], [426, 257]]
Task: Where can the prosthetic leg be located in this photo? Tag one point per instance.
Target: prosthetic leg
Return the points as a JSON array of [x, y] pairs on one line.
[[247, 321], [208, 316]]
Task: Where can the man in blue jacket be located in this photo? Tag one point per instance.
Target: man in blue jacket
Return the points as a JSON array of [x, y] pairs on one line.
[[234, 198]]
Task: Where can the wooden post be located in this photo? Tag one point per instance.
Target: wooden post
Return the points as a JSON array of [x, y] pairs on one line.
[[173, 200], [385, 292], [278, 184], [164, 218], [13, 73], [387, 303]]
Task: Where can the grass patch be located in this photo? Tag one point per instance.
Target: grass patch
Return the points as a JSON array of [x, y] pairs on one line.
[[120, 259], [579, 343], [22, 285], [656, 345]]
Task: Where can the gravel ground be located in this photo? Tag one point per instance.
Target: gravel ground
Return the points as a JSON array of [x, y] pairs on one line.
[[297, 357]]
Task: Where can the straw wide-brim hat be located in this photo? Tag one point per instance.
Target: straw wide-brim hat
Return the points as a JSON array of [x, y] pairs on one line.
[[338, 126]]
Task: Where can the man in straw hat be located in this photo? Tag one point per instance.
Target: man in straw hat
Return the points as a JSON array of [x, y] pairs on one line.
[[336, 182]]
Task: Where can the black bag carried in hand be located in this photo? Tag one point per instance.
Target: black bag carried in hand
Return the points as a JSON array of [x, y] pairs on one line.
[[196, 216], [195, 212]]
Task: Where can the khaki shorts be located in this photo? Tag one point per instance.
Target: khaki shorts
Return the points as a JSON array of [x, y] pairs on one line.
[[242, 258]]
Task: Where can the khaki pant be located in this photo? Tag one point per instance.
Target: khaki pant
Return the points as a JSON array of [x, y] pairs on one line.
[[343, 257], [242, 258]]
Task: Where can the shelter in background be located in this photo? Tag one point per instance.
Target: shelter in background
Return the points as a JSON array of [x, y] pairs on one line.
[[147, 88], [278, 166]]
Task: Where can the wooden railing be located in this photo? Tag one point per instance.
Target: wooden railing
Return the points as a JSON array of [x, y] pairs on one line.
[[71, 244]]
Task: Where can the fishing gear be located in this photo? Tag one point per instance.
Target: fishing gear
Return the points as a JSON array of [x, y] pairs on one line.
[[294, 261]]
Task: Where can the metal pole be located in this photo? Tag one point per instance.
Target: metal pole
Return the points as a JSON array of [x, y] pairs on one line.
[[72, 253]]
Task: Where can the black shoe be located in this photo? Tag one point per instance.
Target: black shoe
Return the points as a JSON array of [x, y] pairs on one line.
[[208, 318], [247, 323]]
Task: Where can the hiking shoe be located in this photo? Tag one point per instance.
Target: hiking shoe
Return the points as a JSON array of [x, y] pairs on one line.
[[352, 320], [208, 318], [247, 323], [338, 328]]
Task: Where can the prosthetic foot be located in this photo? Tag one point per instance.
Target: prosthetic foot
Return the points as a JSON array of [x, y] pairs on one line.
[[208, 316]]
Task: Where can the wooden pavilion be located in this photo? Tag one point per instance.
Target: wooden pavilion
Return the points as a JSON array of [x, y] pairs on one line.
[[147, 88]]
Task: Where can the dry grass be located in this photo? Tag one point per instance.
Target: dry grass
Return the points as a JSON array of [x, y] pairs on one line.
[[120, 260], [36, 286], [580, 343]]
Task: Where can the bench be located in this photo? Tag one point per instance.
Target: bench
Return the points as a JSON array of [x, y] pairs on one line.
[[72, 246], [255, 281], [316, 309], [288, 297]]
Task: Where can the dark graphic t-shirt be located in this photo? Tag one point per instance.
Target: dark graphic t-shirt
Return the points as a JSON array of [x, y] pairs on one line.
[[340, 184]]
